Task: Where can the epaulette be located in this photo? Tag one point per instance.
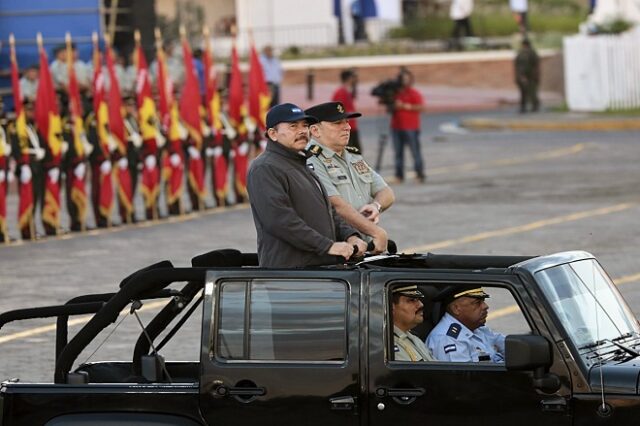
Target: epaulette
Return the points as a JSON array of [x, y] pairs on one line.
[[454, 330], [352, 149], [315, 150]]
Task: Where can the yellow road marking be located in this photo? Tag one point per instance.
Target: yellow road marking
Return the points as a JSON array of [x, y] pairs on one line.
[[74, 321], [521, 228], [546, 155], [512, 309]]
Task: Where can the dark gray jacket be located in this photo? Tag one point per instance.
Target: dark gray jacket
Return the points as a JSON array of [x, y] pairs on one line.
[[295, 221]]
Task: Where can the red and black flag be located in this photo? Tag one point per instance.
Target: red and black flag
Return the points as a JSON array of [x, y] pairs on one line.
[[190, 104], [237, 113], [151, 137], [118, 133], [76, 187], [103, 184], [220, 168], [49, 126], [25, 182], [173, 163]]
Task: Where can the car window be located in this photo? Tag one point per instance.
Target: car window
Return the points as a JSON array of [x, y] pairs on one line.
[[447, 338], [270, 320]]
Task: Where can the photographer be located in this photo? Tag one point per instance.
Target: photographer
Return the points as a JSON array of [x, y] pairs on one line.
[[405, 125]]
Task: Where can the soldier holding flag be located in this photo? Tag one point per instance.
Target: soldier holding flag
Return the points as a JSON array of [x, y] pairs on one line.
[[214, 150], [190, 115], [118, 133], [152, 139], [49, 127], [75, 167]]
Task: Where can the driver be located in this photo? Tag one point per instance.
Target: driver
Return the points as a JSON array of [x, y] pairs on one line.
[[461, 335]]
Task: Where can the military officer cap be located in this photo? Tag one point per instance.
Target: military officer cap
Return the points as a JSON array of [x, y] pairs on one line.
[[452, 293], [331, 111], [408, 290]]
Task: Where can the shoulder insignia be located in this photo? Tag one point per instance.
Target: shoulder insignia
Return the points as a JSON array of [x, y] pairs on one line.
[[396, 348], [454, 330], [352, 149], [449, 348], [315, 150]]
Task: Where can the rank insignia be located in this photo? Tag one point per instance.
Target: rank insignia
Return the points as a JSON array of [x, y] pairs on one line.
[[396, 348], [454, 330], [315, 150]]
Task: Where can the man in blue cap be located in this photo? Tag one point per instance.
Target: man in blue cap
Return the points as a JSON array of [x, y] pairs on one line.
[[461, 335], [295, 222]]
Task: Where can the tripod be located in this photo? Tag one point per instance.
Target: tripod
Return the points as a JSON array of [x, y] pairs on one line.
[[383, 126]]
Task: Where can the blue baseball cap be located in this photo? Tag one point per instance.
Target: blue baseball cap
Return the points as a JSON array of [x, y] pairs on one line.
[[287, 113]]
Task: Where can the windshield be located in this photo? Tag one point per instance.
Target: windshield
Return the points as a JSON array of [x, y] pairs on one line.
[[589, 306]]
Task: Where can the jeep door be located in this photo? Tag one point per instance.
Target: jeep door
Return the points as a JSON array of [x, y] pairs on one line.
[[282, 348], [455, 393]]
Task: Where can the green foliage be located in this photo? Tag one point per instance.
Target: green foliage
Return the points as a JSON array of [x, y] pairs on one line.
[[490, 25], [613, 27]]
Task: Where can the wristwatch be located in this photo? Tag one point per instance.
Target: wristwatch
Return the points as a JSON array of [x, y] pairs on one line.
[[378, 206]]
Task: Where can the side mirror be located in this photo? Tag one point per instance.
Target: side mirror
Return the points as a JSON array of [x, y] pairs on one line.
[[527, 352], [532, 353]]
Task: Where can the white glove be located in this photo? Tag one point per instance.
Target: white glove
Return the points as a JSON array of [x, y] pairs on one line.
[[232, 153], [64, 147], [230, 133], [150, 162], [105, 167], [136, 139], [263, 144], [175, 160], [183, 133], [160, 139], [243, 149], [123, 163], [217, 151], [54, 174], [2, 176], [7, 150], [113, 145], [79, 171], [193, 152], [25, 174], [209, 152], [206, 130], [40, 153], [88, 148], [250, 124]]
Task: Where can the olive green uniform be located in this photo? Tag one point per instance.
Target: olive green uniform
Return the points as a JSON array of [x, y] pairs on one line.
[[347, 176], [408, 347]]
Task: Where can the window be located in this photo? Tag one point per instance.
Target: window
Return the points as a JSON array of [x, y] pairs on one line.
[[270, 320], [448, 338]]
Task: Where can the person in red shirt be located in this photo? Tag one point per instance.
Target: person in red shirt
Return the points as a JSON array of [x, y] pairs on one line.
[[405, 126], [346, 95]]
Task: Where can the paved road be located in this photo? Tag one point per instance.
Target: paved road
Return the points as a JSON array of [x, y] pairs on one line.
[[487, 193]]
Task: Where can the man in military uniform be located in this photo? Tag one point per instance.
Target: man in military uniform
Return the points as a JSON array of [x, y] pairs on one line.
[[461, 335], [527, 70], [134, 141], [407, 312], [355, 190]]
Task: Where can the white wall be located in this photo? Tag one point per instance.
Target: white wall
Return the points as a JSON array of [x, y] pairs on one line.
[[284, 23]]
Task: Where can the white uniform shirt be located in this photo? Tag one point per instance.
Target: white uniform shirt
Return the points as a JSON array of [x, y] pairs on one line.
[[452, 341]]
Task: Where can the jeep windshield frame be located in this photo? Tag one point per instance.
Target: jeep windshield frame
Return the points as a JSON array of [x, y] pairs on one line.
[[588, 306]]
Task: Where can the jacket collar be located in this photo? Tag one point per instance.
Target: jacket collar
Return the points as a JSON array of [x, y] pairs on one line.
[[280, 149]]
